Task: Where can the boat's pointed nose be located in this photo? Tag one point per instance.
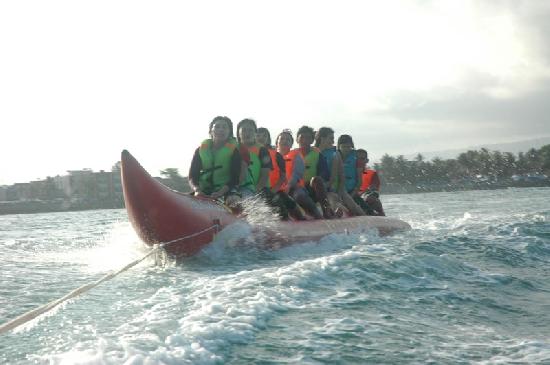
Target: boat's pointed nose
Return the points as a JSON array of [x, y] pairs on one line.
[[128, 161], [132, 172]]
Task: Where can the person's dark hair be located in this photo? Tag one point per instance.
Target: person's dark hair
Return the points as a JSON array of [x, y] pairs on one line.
[[345, 138], [360, 150], [243, 122], [225, 119], [285, 131], [322, 133], [305, 129], [265, 130]]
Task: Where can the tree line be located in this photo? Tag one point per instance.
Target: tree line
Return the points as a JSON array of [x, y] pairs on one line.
[[473, 165], [469, 168]]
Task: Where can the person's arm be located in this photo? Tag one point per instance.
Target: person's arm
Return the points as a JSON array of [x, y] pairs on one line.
[[234, 178], [243, 164], [341, 188], [332, 183], [358, 181], [280, 161], [358, 177], [298, 172], [375, 182], [265, 167], [322, 168], [195, 172]]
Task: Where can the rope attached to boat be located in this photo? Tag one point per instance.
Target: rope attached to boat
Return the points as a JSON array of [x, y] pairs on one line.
[[216, 225], [29, 316]]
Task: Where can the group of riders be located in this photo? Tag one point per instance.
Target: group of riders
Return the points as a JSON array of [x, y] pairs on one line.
[[320, 181]]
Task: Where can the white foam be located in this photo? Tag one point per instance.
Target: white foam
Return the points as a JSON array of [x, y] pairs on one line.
[[214, 312], [119, 246]]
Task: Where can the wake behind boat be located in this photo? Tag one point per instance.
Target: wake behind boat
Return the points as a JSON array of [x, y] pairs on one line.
[[184, 224]]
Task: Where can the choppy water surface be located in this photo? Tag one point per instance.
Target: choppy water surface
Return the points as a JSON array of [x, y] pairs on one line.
[[469, 284]]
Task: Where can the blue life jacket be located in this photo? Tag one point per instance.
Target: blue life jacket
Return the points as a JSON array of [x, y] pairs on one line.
[[350, 171], [329, 154]]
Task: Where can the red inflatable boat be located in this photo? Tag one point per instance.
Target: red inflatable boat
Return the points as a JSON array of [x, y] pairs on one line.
[[184, 224]]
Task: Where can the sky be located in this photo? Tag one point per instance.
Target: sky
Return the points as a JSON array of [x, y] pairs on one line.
[[82, 80]]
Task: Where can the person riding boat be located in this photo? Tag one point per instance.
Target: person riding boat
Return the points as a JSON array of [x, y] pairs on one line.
[[324, 141], [337, 194], [256, 161], [352, 171], [295, 167], [277, 173], [216, 164], [316, 169], [277, 179], [370, 184]]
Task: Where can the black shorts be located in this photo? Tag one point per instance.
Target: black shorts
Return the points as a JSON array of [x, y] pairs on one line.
[[311, 193], [283, 199]]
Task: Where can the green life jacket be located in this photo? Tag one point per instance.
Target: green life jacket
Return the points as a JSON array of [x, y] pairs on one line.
[[311, 161], [216, 165], [254, 168]]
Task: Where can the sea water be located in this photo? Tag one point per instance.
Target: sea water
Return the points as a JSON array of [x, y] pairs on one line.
[[470, 283]]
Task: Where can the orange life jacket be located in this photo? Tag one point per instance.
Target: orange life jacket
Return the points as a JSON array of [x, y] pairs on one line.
[[371, 181], [275, 174], [289, 166]]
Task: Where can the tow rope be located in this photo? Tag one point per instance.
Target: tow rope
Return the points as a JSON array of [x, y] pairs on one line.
[[29, 316]]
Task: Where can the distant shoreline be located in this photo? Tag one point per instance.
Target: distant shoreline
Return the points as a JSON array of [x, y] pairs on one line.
[[46, 206], [50, 206], [447, 187]]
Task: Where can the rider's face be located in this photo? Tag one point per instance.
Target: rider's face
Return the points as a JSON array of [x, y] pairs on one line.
[[261, 138], [328, 140], [362, 158], [220, 131], [305, 139], [284, 143], [247, 133], [345, 148]]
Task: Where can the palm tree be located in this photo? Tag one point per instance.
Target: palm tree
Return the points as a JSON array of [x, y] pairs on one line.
[[544, 153], [174, 180], [469, 161], [534, 160]]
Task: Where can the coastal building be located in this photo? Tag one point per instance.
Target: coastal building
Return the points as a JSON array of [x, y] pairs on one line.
[[88, 187], [79, 189], [20, 191]]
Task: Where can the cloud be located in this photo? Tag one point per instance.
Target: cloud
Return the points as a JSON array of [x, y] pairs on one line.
[[532, 19], [470, 105], [498, 95]]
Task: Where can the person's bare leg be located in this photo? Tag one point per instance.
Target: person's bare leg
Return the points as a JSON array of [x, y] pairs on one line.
[[376, 205], [337, 204], [351, 204], [303, 199]]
